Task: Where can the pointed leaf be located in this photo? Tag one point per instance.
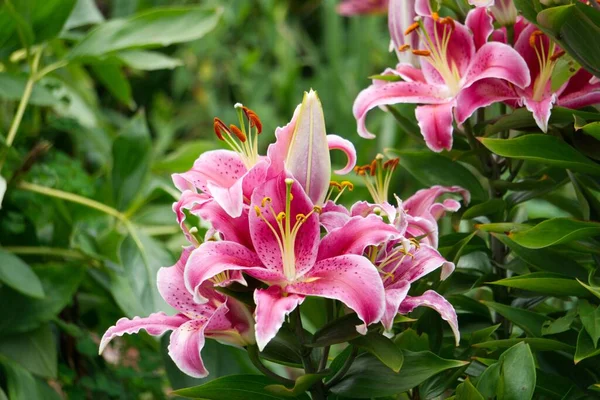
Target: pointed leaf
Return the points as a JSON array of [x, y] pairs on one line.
[[234, 387], [35, 351], [590, 318], [303, 383], [545, 283], [19, 276], [555, 231], [537, 344], [529, 321], [490, 207], [338, 331], [517, 374], [382, 348], [466, 391], [585, 347]]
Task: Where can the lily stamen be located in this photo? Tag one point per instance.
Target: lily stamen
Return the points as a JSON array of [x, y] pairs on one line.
[[378, 176], [546, 59], [242, 141]]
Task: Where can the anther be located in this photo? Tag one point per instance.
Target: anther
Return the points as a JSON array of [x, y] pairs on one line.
[[557, 55], [448, 21], [318, 209], [255, 122], [281, 216], [373, 167], [220, 127], [533, 37], [265, 201], [238, 133], [435, 16], [404, 47], [348, 185], [424, 53], [257, 210], [413, 27], [336, 184]]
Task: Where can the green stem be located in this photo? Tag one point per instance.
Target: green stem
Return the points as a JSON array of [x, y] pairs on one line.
[[345, 368], [255, 359], [476, 147]]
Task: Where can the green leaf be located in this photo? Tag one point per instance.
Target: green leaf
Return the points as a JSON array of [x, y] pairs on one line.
[[529, 321], [19, 276], [585, 347], [592, 129], [517, 374], [537, 344], [564, 69], [502, 227], [590, 318], [234, 387], [483, 335], [575, 27], [561, 324], [545, 283], [338, 331], [431, 168], [545, 259], [593, 289], [21, 384], [59, 282], [303, 383], [183, 157], [409, 339], [487, 384], [84, 13], [34, 351], [12, 87], [466, 391], [153, 28], [131, 161], [368, 377], [283, 349], [490, 207], [382, 348], [555, 231], [111, 76], [545, 149], [457, 250], [148, 60]]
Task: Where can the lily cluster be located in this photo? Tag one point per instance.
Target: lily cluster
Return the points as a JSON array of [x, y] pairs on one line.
[[276, 227], [451, 69]]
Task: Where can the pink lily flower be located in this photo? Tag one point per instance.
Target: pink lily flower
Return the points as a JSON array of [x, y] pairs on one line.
[[541, 55], [292, 258], [451, 63], [403, 264], [356, 7], [221, 318]]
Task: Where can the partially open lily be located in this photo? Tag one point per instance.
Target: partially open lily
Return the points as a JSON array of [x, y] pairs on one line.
[[302, 148], [294, 261], [220, 318], [451, 63], [541, 55]]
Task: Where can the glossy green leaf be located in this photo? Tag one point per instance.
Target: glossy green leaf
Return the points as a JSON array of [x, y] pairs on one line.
[[517, 374], [234, 387], [111, 76], [19, 276], [410, 340], [21, 384], [536, 344], [84, 13], [585, 347], [592, 129], [431, 168], [487, 383], [555, 231], [590, 318], [12, 87], [131, 161], [368, 377], [483, 335], [502, 227], [338, 331], [283, 349], [545, 283], [148, 60], [545, 259], [34, 351], [154, 28], [561, 324], [59, 282], [490, 207], [529, 321], [382, 348], [302, 385], [466, 391], [593, 289], [575, 27], [544, 149]]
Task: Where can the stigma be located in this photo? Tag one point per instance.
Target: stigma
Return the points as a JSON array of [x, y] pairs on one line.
[[284, 228], [378, 176], [241, 140]]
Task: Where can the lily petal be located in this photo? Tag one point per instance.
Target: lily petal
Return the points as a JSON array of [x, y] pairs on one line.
[[185, 346], [481, 3], [336, 142], [498, 60], [394, 296], [156, 324], [221, 167], [188, 200], [231, 229], [212, 259], [401, 14], [481, 94], [351, 279], [435, 122], [420, 203], [541, 110], [435, 301], [580, 91], [271, 308], [422, 261], [480, 22], [352, 238], [308, 155], [393, 93]]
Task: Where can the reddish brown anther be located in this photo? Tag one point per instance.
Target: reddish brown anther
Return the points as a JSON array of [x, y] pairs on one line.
[[557, 55], [404, 47], [220, 127], [424, 53], [373, 167], [533, 37], [391, 164], [255, 122], [448, 21], [413, 27], [238, 133]]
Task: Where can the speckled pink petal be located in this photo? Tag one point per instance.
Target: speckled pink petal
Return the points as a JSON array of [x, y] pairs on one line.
[[263, 237], [336, 142], [480, 22], [351, 279], [435, 122], [272, 306], [420, 203], [156, 324], [235, 327], [541, 110], [185, 346], [394, 93], [423, 261], [409, 73], [580, 91], [221, 167], [460, 49], [354, 237], [231, 229], [189, 199], [394, 296], [482, 94], [497, 60], [214, 258], [435, 301]]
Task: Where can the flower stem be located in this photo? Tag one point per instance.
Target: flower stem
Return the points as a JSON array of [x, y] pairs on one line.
[[345, 368], [255, 359]]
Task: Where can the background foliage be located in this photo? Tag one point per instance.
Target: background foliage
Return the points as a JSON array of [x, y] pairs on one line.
[[117, 103]]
